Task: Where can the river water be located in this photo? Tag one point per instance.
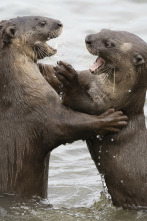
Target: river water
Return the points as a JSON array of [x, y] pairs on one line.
[[75, 189]]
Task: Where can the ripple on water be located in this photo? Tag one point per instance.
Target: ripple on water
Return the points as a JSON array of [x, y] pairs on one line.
[[15, 208]]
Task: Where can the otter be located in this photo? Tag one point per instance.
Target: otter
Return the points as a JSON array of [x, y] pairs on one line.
[[33, 121], [118, 79]]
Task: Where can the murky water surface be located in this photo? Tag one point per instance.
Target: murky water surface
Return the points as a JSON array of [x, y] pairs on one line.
[[75, 189]]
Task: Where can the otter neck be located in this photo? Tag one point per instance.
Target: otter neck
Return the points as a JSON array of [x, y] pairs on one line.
[[20, 82], [14, 64], [135, 127], [134, 105], [18, 69]]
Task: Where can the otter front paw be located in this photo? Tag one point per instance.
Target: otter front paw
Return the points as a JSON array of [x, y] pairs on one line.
[[75, 95], [67, 75]]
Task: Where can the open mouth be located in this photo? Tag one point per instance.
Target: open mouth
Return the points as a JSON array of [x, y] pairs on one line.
[[97, 65], [42, 49], [52, 35], [51, 50]]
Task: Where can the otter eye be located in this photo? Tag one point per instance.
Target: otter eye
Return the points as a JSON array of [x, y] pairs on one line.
[[138, 59], [42, 24], [108, 44]]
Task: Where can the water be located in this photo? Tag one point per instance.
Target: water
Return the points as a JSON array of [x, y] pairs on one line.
[[75, 189]]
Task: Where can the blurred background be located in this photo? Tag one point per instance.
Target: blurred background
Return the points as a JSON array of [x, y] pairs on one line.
[[75, 189]]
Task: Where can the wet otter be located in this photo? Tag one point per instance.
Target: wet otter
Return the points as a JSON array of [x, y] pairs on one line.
[[118, 79], [33, 121]]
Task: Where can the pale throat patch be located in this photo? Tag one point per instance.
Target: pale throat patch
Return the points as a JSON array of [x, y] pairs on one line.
[[126, 46]]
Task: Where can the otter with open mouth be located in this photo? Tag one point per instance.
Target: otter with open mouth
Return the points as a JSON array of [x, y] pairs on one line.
[[33, 121], [118, 78]]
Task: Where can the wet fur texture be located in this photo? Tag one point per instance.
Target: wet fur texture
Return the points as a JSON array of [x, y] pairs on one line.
[[121, 82], [33, 121]]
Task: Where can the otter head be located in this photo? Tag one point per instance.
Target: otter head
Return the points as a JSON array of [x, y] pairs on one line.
[[120, 69], [29, 35]]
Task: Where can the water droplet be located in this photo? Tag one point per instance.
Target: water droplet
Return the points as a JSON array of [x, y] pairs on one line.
[[99, 137], [114, 156], [61, 95], [98, 164], [121, 181], [106, 151], [105, 192], [129, 91], [112, 139]]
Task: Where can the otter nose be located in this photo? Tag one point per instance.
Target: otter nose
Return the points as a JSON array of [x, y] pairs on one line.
[[88, 40], [57, 24], [60, 24]]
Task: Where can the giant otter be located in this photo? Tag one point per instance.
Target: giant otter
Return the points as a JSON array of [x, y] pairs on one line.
[[33, 121], [118, 79]]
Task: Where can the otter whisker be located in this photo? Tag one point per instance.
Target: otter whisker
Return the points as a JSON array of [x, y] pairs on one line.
[[39, 52], [34, 54], [114, 75], [43, 53], [42, 50]]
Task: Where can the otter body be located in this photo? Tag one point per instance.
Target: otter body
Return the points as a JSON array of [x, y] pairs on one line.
[[118, 79], [122, 160], [33, 121]]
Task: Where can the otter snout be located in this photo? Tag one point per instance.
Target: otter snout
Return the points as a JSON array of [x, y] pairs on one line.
[[54, 28], [91, 43], [57, 24], [88, 40]]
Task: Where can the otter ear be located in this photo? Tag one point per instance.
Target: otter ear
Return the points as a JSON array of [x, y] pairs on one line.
[[138, 60], [8, 34]]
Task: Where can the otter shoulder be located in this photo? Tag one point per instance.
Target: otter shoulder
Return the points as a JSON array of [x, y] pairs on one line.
[[85, 79]]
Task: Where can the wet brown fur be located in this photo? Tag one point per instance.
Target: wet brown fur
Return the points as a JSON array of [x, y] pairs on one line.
[[33, 121], [121, 83]]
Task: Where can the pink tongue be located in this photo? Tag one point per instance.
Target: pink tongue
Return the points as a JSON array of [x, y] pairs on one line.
[[96, 64]]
